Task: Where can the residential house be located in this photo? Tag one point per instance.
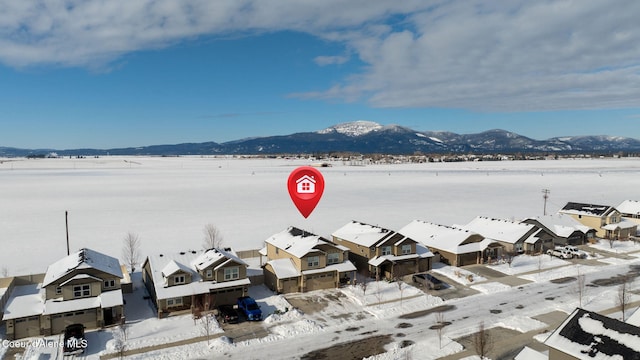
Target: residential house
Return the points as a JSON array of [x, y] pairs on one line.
[[457, 247], [564, 229], [607, 221], [588, 335], [382, 252], [82, 288], [515, 236], [630, 210], [299, 261], [194, 280]]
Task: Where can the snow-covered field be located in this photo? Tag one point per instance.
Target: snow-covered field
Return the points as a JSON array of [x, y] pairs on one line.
[[167, 201]]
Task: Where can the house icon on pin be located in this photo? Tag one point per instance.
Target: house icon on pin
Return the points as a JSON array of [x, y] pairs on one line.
[[306, 185]]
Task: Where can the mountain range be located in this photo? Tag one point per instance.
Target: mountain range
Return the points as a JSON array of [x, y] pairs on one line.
[[369, 137]]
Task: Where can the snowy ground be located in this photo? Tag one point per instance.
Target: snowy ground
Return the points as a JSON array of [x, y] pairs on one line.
[[168, 200]]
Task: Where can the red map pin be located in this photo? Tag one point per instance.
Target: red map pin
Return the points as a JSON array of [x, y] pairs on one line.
[[305, 185]]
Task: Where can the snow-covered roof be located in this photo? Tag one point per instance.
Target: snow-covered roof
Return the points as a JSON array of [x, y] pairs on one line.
[[629, 207], [173, 267], [624, 224], [362, 234], [528, 353], [586, 209], [344, 266], [297, 242], [111, 298], [159, 262], [80, 260], [24, 301], [441, 237], [284, 268], [377, 260], [588, 335], [81, 277], [53, 306], [634, 319], [561, 224], [215, 256], [499, 229]]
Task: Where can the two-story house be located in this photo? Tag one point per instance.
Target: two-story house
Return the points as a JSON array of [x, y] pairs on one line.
[[516, 237], [457, 247], [82, 288], [195, 280], [630, 210], [564, 229], [607, 221], [381, 252], [300, 261]]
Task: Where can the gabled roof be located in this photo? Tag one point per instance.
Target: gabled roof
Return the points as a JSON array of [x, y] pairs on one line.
[[442, 237], [499, 229], [215, 256], [81, 260], [297, 242], [173, 267], [588, 335], [586, 209], [560, 224], [363, 234], [629, 207], [170, 262]]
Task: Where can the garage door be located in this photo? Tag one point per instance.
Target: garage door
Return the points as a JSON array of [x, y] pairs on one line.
[[86, 317], [290, 285], [320, 281], [27, 327]]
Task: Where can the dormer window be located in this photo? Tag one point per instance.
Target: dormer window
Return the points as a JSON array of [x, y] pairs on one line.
[[58, 290], [406, 249], [313, 261], [209, 274], [178, 279], [109, 284], [81, 291], [232, 273], [333, 258], [386, 250]]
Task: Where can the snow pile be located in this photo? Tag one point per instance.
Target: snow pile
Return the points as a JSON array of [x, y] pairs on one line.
[[522, 324], [526, 263], [491, 287], [618, 246], [304, 326], [291, 315], [457, 274]]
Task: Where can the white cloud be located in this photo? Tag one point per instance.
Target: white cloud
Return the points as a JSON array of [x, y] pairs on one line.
[[485, 55]]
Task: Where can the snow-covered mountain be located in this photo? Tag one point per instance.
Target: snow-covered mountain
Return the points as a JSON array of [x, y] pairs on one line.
[[370, 137]]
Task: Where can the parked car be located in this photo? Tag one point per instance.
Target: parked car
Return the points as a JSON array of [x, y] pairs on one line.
[[560, 253], [250, 308], [577, 253], [429, 281], [74, 340], [228, 314]]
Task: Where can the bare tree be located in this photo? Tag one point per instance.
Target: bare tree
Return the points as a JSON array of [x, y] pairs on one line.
[[120, 340], [581, 286], [510, 257], [363, 286], [611, 241], [624, 297], [131, 250], [482, 341], [440, 326], [400, 288], [212, 237], [206, 325]]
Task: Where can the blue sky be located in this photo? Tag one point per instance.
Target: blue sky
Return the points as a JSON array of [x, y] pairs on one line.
[[117, 73]]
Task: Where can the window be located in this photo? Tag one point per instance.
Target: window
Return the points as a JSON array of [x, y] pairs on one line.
[[232, 273], [209, 273], [313, 261], [406, 249], [81, 290], [306, 186], [109, 283], [178, 279], [174, 302], [386, 250], [58, 290], [333, 258]]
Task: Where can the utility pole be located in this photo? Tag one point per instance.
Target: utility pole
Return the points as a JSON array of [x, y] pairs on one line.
[[66, 224], [545, 196]]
